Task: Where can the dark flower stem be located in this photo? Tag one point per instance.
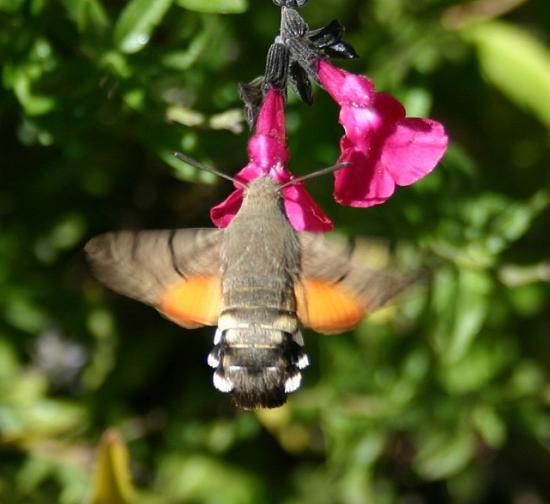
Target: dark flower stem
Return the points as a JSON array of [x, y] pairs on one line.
[[293, 58]]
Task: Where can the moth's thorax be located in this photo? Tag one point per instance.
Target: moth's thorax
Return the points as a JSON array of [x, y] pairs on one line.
[[260, 242], [262, 192]]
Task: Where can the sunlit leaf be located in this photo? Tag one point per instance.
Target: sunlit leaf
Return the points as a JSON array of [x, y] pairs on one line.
[[477, 367], [25, 314], [442, 455], [489, 425], [190, 478], [33, 473], [513, 222], [112, 482], [87, 14], [33, 103], [39, 418], [137, 22], [9, 365], [101, 325], [529, 299], [215, 6], [462, 299], [527, 379], [517, 63]]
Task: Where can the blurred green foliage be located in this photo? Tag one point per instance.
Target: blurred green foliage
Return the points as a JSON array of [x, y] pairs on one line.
[[444, 397]]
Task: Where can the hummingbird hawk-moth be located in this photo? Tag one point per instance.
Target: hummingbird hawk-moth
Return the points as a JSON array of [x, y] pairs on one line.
[[258, 281]]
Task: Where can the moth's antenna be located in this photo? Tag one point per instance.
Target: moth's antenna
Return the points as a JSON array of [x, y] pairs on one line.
[[199, 166], [317, 173]]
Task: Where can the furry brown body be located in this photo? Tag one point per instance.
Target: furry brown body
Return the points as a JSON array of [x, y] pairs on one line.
[[260, 346]]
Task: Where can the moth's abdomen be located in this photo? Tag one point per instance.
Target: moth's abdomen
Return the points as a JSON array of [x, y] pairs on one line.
[[259, 365]]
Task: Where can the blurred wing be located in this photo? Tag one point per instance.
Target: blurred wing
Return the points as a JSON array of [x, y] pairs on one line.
[[176, 271], [336, 289]]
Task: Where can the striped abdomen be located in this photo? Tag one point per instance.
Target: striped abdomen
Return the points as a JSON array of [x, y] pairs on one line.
[[258, 346]]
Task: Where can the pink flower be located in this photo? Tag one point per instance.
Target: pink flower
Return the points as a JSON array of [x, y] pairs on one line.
[[382, 146], [268, 156]]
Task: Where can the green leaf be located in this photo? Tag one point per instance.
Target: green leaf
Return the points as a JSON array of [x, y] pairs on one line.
[[25, 314], [215, 6], [471, 308], [369, 448], [514, 221], [9, 365], [87, 14], [11, 5], [440, 455], [190, 479], [34, 417], [516, 63], [34, 471], [33, 103], [112, 483], [184, 58], [527, 380], [489, 425], [478, 367], [53, 416], [137, 22], [462, 302]]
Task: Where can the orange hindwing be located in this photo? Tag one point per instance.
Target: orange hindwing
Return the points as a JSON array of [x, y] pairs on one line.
[[327, 307], [193, 302]]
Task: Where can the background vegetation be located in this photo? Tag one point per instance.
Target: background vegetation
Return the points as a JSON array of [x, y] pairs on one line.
[[442, 398]]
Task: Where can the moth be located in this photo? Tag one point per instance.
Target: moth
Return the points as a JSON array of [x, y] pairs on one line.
[[258, 281]]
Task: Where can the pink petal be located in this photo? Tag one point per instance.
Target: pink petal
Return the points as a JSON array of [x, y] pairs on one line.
[[364, 123], [250, 172], [360, 124], [268, 145], [345, 88], [223, 213], [280, 173], [271, 118], [277, 171], [388, 108], [265, 151], [414, 149], [302, 211], [364, 182]]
